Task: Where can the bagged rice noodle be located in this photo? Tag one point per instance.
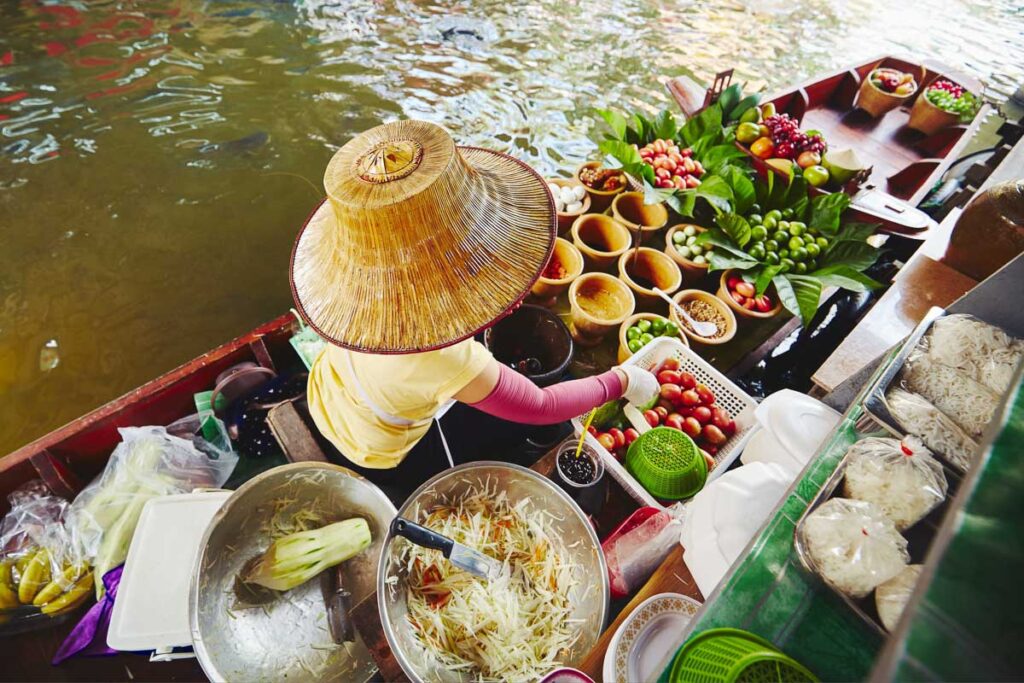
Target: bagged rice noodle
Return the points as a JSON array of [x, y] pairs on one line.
[[901, 478], [969, 404], [892, 596], [980, 350], [853, 545], [938, 432]]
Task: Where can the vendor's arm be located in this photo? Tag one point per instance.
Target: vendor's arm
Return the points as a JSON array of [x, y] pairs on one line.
[[501, 391]]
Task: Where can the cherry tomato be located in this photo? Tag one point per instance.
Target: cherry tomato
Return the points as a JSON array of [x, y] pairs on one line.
[[709, 460], [674, 421], [690, 398], [668, 377], [592, 429], [662, 412], [687, 381], [607, 441], [711, 450], [670, 364], [631, 435], [671, 392], [685, 411], [691, 427], [667, 405], [714, 435], [619, 436], [704, 395], [652, 418], [729, 428], [719, 417], [703, 414]]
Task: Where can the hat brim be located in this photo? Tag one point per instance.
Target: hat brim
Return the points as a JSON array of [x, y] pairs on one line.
[[425, 301]]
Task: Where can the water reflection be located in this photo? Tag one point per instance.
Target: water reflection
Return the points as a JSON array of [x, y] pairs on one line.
[[157, 157]]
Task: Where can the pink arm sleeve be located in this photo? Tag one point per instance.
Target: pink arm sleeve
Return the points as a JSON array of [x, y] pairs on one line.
[[517, 399]]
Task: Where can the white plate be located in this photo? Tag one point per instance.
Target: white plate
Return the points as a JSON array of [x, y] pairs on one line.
[[644, 644]]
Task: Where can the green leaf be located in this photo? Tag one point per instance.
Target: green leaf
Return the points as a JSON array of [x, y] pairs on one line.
[[855, 255], [845, 277], [715, 158], [743, 194], [800, 294], [720, 261], [764, 278], [682, 202], [643, 129], [763, 191], [707, 121], [796, 192], [616, 121], [826, 210], [729, 97], [748, 102], [716, 192], [665, 127], [736, 227], [718, 238], [623, 152], [855, 231]]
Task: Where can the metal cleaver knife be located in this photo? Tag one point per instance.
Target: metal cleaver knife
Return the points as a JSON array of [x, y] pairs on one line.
[[462, 556]]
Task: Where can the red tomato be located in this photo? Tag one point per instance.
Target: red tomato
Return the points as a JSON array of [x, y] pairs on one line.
[[729, 428], [709, 460], [685, 411], [703, 414], [704, 395], [668, 377], [631, 435], [691, 427], [671, 392], [606, 440], [687, 381], [667, 405], [733, 281], [652, 418], [675, 421], [670, 364], [738, 298], [619, 436], [592, 429], [745, 289], [750, 304], [690, 398], [714, 435], [711, 450], [719, 417], [662, 412]]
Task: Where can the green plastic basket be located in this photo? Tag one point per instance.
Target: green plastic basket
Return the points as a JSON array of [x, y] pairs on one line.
[[667, 463], [729, 655]]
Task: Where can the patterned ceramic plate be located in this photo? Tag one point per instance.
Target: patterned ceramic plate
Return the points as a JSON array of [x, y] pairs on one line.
[[646, 641]]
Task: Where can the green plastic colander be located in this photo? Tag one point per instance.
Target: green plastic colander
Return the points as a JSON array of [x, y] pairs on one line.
[[729, 655], [667, 463]]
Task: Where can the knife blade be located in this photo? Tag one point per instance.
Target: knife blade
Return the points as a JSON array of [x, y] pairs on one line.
[[462, 556]]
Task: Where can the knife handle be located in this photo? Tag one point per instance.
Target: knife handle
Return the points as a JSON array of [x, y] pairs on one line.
[[421, 535]]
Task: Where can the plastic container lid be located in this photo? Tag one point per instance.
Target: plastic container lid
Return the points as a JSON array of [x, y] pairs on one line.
[[151, 609], [667, 463], [793, 426]]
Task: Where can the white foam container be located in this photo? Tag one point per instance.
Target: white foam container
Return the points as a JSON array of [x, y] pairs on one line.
[[727, 395], [151, 608]]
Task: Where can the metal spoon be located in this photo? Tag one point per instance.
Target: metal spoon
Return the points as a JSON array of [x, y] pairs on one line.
[[701, 329]]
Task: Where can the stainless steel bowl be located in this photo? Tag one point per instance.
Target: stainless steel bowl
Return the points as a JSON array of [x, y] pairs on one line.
[[590, 597], [242, 636]]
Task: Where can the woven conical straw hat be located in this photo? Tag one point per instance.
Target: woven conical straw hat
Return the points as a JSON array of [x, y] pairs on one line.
[[420, 243]]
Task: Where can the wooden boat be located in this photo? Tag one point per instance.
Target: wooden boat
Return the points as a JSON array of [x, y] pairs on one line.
[[903, 163]]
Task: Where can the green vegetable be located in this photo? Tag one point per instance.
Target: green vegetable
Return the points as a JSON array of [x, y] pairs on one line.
[[774, 214], [608, 412], [646, 338], [658, 326], [114, 546], [634, 345], [292, 560], [644, 326], [758, 233], [671, 329], [633, 332]]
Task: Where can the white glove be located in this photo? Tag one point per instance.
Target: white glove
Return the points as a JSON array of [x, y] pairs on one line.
[[641, 385]]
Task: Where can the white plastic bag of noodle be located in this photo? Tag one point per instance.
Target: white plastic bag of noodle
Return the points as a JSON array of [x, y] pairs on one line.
[[969, 404], [938, 432], [900, 477], [854, 546], [892, 596], [980, 350]]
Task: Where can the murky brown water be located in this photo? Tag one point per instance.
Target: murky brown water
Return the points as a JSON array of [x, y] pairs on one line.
[[154, 156]]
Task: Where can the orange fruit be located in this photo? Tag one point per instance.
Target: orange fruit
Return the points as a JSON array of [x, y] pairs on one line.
[[762, 148]]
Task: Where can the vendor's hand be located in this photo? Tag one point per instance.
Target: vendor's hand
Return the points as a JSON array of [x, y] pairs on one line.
[[640, 385]]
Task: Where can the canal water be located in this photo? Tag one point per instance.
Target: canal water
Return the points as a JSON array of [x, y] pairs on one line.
[[157, 157]]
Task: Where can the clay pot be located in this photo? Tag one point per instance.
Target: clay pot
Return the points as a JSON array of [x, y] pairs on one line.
[[629, 209], [546, 290], [598, 304], [565, 219], [929, 119], [599, 199], [692, 272], [723, 308], [624, 352], [654, 267], [723, 294], [601, 240]]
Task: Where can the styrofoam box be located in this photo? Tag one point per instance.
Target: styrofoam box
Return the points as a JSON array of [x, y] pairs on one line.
[[727, 395]]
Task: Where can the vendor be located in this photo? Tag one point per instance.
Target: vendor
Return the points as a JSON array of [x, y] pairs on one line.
[[419, 246]]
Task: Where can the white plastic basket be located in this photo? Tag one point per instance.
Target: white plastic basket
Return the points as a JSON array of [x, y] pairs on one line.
[[727, 395]]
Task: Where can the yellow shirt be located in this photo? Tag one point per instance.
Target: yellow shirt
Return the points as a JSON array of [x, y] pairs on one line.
[[412, 387]]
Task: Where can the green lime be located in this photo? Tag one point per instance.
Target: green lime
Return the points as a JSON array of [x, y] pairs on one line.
[[822, 242], [780, 236], [812, 265], [646, 338], [787, 213], [795, 243], [644, 326], [799, 254], [758, 233], [658, 326], [758, 252], [783, 225], [634, 345], [813, 249], [755, 207], [771, 245], [797, 228], [774, 213], [633, 332], [783, 254], [671, 329], [800, 268], [755, 219], [772, 258], [770, 223], [788, 263]]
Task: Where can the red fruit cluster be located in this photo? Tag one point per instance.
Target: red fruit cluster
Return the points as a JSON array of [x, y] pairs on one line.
[[673, 167], [789, 140], [689, 406], [952, 88], [615, 440], [743, 293]]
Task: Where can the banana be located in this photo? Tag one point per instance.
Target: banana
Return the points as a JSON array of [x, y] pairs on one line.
[[35, 576], [74, 597], [8, 598], [54, 589]]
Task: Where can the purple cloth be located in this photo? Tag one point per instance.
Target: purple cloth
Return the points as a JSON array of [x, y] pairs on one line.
[[89, 636]]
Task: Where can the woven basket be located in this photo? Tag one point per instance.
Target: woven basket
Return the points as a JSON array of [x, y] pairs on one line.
[[929, 119], [877, 102]]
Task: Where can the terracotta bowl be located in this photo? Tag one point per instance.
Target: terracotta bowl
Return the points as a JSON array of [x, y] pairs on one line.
[[565, 219], [601, 239], [629, 209], [692, 272], [624, 352], [691, 294], [546, 290], [655, 268], [598, 304], [600, 199], [723, 294]]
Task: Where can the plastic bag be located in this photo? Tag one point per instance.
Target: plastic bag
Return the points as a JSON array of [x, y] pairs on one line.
[[853, 545], [969, 404], [978, 349], [147, 463], [938, 432], [901, 478], [634, 556], [892, 596]]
